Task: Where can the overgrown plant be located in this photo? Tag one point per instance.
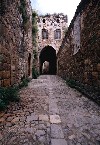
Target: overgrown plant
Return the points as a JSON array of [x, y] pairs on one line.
[[23, 11], [2, 105], [35, 73], [11, 94], [24, 82], [35, 54], [34, 40], [34, 28]]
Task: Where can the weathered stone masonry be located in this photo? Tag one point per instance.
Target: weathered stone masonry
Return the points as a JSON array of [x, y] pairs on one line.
[[15, 41], [51, 23], [79, 54], [51, 31]]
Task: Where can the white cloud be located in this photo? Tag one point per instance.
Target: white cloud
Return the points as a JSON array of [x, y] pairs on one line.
[[59, 6]]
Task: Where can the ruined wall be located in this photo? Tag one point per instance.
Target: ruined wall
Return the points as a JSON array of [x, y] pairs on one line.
[[79, 54], [15, 41], [51, 23]]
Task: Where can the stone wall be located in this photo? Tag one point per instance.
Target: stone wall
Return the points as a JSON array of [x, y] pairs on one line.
[[79, 54], [51, 23], [15, 41]]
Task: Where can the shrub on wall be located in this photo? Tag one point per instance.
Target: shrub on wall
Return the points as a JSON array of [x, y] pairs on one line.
[[34, 41], [23, 11], [24, 82], [34, 28], [35, 73]]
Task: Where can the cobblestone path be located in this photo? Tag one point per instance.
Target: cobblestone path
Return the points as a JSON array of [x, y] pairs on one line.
[[50, 113]]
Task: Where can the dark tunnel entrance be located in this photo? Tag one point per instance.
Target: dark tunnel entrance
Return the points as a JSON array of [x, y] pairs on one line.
[[48, 61]]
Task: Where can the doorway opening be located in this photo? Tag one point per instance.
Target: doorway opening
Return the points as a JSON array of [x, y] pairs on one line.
[[48, 61]]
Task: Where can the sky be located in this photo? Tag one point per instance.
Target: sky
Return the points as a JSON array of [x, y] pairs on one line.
[[68, 7]]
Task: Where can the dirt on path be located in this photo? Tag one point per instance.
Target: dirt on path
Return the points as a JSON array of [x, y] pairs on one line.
[[50, 113]]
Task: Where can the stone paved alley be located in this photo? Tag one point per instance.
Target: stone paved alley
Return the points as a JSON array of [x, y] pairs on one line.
[[50, 113]]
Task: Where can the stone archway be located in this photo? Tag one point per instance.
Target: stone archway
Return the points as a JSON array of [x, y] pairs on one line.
[[48, 54], [29, 64]]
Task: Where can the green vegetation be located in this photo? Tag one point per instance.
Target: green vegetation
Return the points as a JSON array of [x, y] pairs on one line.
[[23, 11], [11, 94], [35, 73], [34, 28], [92, 92], [2, 105], [35, 54], [24, 82]]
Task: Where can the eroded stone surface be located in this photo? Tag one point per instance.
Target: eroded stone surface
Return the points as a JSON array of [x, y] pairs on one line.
[[15, 54], [31, 121], [58, 142], [56, 131], [44, 117], [55, 119]]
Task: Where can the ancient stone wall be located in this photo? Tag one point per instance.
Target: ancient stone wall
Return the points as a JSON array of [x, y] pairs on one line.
[[15, 41], [51, 23], [51, 31], [79, 54]]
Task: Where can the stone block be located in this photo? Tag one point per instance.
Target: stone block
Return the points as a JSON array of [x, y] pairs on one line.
[[8, 60], [56, 131], [6, 82], [85, 75], [58, 142], [0, 74], [6, 66], [98, 67], [6, 74], [55, 119], [15, 120], [1, 136], [53, 109], [2, 120], [95, 75], [40, 133], [71, 137], [87, 61], [13, 67], [44, 118], [85, 80], [32, 117]]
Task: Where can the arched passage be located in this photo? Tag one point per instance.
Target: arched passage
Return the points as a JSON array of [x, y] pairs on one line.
[[48, 54]]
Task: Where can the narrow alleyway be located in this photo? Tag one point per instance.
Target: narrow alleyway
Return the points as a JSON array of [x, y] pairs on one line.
[[50, 113]]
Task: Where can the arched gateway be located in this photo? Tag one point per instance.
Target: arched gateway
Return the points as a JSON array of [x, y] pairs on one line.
[[48, 54]]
